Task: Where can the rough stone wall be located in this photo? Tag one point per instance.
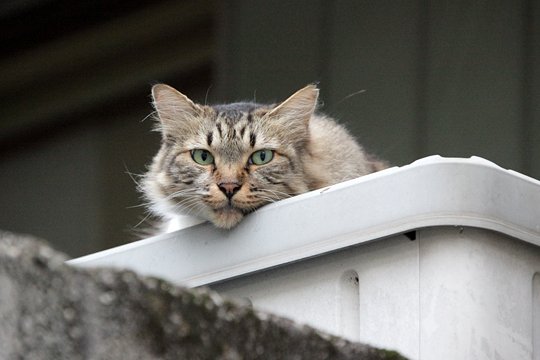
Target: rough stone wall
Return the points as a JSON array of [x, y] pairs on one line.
[[49, 310]]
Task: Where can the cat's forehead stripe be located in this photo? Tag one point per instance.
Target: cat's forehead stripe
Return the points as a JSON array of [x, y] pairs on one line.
[[220, 131], [229, 118], [232, 123]]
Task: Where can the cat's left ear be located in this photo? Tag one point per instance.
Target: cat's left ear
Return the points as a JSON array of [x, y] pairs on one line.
[[174, 109], [298, 108]]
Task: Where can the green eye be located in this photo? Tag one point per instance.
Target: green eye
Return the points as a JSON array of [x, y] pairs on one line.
[[261, 157], [202, 157]]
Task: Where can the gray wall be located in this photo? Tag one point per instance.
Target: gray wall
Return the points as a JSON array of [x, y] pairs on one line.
[[409, 78], [73, 109], [455, 78]]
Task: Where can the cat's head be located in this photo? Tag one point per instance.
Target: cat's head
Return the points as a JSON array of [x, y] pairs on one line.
[[222, 162]]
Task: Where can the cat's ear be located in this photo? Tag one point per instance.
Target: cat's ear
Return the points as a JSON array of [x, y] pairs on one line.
[[298, 108], [172, 107]]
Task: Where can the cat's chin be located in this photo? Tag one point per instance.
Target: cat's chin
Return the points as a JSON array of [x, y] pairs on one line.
[[227, 217]]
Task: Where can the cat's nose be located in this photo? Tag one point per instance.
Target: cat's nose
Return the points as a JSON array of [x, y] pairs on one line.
[[229, 188]]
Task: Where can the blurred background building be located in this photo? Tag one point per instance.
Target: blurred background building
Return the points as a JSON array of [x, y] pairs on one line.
[[409, 78]]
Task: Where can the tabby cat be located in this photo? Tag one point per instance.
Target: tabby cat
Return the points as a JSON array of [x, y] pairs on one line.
[[222, 162]]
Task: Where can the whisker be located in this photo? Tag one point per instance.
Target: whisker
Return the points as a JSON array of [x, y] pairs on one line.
[[194, 209], [133, 176], [187, 204], [350, 96], [275, 194], [181, 193], [206, 96], [144, 204], [152, 114], [148, 215]]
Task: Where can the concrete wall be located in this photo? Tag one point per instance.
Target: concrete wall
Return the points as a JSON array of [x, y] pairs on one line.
[[51, 311]]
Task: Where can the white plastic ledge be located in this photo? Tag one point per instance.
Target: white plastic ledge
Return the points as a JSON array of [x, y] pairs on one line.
[[433, 191]]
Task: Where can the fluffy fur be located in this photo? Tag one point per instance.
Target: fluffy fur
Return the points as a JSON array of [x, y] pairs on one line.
[[309, 151]]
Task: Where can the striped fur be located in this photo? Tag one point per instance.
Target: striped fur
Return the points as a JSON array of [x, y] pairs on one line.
[[310, 151]]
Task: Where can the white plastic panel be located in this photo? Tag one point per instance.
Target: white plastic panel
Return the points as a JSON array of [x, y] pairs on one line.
[[476, 294], [453, 293], [536, 316], [348, 304], [312, 292]]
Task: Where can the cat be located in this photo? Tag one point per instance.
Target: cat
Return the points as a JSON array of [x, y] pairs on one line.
[[222, 162]]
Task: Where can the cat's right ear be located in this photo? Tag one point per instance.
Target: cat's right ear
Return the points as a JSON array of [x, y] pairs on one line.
[[173, 108], [299, 106], [295, 113]]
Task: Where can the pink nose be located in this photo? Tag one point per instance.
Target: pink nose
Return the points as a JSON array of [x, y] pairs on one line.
[[229, 188]]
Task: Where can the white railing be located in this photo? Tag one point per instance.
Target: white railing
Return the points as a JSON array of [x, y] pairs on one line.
[[460, 283]]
